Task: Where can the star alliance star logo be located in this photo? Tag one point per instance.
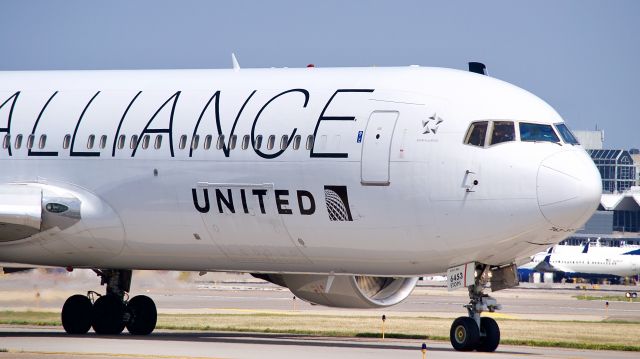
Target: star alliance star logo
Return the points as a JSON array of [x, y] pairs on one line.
[[431, 124]]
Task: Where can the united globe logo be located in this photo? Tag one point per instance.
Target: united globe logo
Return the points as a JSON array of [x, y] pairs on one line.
[[337, 203]]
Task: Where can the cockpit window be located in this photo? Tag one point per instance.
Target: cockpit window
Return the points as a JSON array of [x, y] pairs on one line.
[[476, 134], [566, 134], [503, 131], [535, 132]]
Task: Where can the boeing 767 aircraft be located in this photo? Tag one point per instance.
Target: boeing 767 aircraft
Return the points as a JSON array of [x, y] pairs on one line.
[[342, 184]]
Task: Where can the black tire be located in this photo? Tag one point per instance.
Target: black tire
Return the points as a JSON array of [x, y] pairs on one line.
[[489, 335], [142, 315], [108, 313], [464, 334], [76, 314]]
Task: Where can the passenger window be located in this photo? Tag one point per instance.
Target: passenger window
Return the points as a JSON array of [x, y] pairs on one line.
[[258, 142], [207, 142], [5, 143], [121, 141], [158, 142], [145, 141], [134, 142], [30, 141], [245, 142], [42, 142], [234, 139], [296, 142], [194, 142], [90, 141], [283, 142], [503, 131], [270, 142], [66, 141], [535, 132], [220, 142], [18, 142], [103, 141], [476, 134], [183, 142], [309, 144]]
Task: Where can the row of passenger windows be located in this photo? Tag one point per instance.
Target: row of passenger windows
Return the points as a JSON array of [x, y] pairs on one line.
[[483, 133], [157, 142]]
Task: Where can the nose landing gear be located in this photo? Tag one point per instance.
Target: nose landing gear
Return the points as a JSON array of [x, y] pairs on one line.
[[110, 313], [474, 332]]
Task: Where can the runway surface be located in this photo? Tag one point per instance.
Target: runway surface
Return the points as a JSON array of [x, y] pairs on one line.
[[223, 293], [34, 342]]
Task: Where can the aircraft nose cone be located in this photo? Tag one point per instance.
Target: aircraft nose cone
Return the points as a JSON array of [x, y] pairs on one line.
[[569, 189]]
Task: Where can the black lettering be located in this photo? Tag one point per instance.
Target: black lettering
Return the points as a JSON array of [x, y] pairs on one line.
[[206, 207], [260, 193], [282, 202], [7, 129], [115, 138], [228, 202], [243, 197], [225, 146], [35, 125], [75, 132], [312, 203], [333, 118], [168, 130], [253, 128]]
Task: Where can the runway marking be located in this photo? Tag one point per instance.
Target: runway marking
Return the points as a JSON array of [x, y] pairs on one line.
[[499, 315]]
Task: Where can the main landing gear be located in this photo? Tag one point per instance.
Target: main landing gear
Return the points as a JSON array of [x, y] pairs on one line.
[[482, 333], [110, 313]]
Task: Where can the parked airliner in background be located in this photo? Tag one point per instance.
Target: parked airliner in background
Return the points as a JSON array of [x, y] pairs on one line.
[[343, 184], [589, 263]]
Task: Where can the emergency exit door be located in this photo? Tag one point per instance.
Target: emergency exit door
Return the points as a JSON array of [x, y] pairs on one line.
[[376, 148]]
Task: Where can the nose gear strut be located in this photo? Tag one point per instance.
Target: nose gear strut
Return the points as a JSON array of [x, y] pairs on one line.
[[482, 333]]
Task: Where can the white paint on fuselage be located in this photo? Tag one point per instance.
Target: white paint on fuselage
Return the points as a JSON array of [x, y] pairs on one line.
[[424, 221]]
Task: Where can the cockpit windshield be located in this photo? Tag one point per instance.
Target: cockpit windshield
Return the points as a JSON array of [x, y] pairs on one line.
[[503, 131], [535, 132], [566, 134]]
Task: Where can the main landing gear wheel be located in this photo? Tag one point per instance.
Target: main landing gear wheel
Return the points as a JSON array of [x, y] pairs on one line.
[[489, 335], [142, 315], [108, 315], [464, 334], [76, 314]]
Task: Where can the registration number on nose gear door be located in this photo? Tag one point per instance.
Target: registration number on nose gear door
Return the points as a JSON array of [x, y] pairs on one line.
[[461, 276]]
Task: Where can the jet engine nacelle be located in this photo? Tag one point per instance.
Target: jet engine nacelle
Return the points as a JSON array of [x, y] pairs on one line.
[[344, 291]]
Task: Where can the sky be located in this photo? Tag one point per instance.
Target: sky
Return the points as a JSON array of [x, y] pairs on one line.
[[582, 57]]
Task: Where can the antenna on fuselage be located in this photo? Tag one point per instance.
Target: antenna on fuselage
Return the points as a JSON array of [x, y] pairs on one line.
[[478, 67], [236, 65]]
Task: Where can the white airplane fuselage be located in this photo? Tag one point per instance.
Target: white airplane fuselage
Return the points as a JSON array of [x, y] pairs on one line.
[[389, 187], [597, 261]]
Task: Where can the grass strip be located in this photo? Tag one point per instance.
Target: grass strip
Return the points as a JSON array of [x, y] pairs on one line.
[[594, 335], [610, 298]]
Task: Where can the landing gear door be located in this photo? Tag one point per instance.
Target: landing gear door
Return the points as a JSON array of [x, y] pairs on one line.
[[376, 148]]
